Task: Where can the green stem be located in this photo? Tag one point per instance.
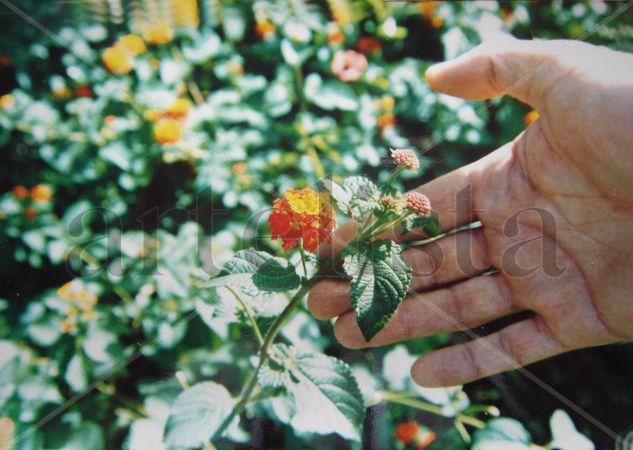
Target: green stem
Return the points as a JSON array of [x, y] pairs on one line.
[[303, 259], [429, 407], [249, 314], [389, 226], [394, 175], [264, 352]]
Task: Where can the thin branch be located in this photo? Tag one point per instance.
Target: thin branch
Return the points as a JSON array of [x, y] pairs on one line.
[[249, 314]]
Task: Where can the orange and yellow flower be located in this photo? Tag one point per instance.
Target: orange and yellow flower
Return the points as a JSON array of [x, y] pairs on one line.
[[166, 131], [20, 192], [117, 60], [133, 44], [41, 193], [265, 29], [178, 109], [412, 433], [6, 101], [302, 217], [159, 33]]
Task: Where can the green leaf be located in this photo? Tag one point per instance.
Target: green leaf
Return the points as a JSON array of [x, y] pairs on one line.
[[276, 275], [380, 280], [340, 195], [197, 413], [336, 95], [357, 198], [502, 434], [326, 396], [76, 375], [268, 273], [429, 224]]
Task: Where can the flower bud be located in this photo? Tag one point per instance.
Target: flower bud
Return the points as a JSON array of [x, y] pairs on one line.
[[419, 203], [405, 158]]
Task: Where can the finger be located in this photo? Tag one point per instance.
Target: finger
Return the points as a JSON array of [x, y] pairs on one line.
[[520, 68], [342, 236], [455, 257], [329, 298], [513, 347], [465, 305]]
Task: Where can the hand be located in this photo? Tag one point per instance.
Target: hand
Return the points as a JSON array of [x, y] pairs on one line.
[[556, 208]]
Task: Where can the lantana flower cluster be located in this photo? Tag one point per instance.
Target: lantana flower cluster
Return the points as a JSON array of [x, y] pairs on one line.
[[302, 217], [305, 218]]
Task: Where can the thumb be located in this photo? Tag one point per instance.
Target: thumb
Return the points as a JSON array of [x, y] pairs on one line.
[[523, 69]]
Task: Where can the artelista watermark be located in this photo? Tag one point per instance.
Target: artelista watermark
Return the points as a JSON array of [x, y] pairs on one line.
[[527, 249]]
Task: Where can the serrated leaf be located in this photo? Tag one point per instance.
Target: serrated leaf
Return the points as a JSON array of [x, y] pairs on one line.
[[276, 275], [326, 396], [379, 282], [267, 272], [429, 224], [197, 413], [340, 195], [358, 197]]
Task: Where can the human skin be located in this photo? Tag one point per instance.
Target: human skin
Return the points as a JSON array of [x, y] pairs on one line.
[[563, 187]]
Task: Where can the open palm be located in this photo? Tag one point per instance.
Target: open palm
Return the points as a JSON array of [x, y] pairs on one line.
[[556, 208]]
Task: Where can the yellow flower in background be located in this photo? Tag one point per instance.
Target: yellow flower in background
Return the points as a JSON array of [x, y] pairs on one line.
[[179, 108], [76, 292], [61, 93], [133, 44], [117, 60], [152, 115], [185, 13], [166, 131], [159, 33], [41, 193], [7, 101]]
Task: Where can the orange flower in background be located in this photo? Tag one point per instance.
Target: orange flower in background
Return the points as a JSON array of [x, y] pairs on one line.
[[166, 131], [385, 121], [84, 91], [133, 44], [368, 44], [20, 191], [30, 213], [265, 29], [531, 117], [178, 109], [7, 433], [7, 101], [239, 168], [159, 33], [412, 433], [302, 215], [349, 65], [334, 35], [117, 60], [41, 193]]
